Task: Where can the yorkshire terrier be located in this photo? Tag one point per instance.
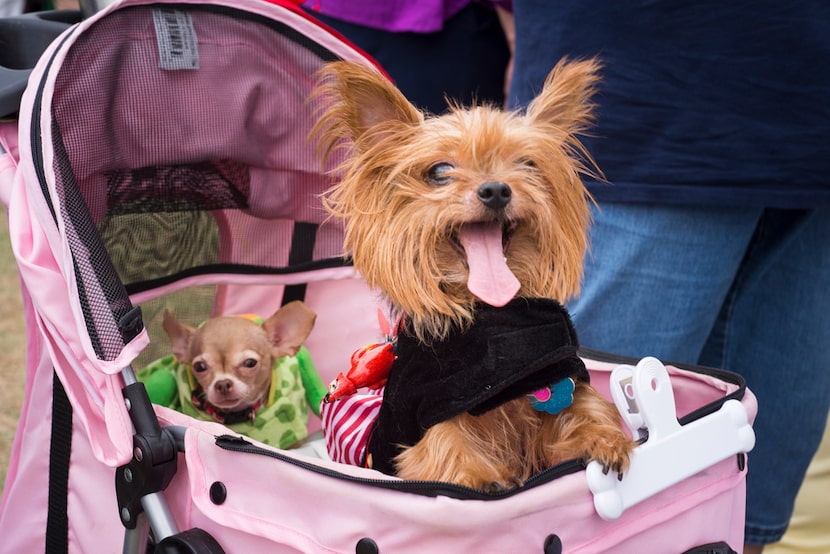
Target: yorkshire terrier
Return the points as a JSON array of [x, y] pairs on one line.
[[473, 225]]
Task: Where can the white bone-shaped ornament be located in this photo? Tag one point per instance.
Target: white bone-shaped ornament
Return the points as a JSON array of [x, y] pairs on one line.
[[673, 452]]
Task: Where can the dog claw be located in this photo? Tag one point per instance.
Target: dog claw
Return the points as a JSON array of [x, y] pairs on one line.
[[502, 486], [617, 467], [495, 486]]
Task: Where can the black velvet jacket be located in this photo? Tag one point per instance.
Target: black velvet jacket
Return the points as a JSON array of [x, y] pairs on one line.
[[508, 352]]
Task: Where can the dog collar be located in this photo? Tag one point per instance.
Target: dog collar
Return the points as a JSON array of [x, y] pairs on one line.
[[222, 416]]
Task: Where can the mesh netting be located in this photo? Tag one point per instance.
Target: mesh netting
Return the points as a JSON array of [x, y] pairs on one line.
[[167, 173]]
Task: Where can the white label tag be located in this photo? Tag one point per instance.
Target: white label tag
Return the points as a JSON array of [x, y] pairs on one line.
[[176, 38]]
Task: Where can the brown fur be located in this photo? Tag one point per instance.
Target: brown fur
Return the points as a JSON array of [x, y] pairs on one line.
[[401, 231], [232, 357]]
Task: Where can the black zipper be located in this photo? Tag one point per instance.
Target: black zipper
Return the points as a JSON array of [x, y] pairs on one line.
[[239, 444]]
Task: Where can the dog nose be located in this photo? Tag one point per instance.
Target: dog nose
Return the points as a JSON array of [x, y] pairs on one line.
[[224, 386], [495, 195]]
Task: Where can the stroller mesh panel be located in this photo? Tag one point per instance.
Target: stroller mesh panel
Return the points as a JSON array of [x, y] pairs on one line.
[[201, 186], [166, 174], [100, 291]]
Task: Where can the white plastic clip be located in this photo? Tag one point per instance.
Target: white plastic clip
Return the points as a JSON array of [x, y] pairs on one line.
[[622, 391], [672, 452]]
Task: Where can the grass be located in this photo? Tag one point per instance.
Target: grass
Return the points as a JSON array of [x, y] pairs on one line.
[[12, 347]]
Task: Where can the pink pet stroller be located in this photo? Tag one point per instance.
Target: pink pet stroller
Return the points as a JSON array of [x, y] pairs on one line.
[[158, 159]]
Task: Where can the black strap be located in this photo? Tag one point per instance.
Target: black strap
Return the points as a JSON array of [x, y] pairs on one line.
[[302, 251], [60, 449], [712, 548]]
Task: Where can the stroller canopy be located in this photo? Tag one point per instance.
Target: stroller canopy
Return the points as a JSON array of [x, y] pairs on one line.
[[170, 149]]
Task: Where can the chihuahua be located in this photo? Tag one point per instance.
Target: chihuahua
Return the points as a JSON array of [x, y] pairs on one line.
[[231, 357]]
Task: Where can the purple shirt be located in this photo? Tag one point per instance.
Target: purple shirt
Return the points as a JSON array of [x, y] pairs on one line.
[[421, 16]]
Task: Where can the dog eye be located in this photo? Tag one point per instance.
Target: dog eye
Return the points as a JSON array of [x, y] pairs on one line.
[[250, 363], [438, 174], [199, 367], [527, 162]]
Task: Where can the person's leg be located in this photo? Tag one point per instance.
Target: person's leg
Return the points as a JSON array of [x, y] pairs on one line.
[[656, 277], [809, 530], [774, 330]]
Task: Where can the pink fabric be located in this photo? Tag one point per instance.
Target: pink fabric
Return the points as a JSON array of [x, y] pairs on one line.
[[7, 167], [705, 508], [49, 284], [300, 511]]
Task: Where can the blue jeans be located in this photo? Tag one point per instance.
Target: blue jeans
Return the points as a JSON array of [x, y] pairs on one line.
[[744, 289]]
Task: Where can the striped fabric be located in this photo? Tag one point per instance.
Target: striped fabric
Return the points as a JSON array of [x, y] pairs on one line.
[[346, 426]]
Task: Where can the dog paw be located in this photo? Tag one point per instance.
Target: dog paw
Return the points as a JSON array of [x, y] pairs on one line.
[[493, 484], [475, 476], [613, 453], [618, 470]]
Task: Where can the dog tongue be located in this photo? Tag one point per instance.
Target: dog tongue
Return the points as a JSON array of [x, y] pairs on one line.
[[490, 278]]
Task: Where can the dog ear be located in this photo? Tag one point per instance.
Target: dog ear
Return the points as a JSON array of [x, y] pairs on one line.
[[288, 328], [360, 103], [180, 336], [565, 100]]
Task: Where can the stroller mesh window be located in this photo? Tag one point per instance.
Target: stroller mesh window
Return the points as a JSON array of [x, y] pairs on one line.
[[200, 186], [166, 173]]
